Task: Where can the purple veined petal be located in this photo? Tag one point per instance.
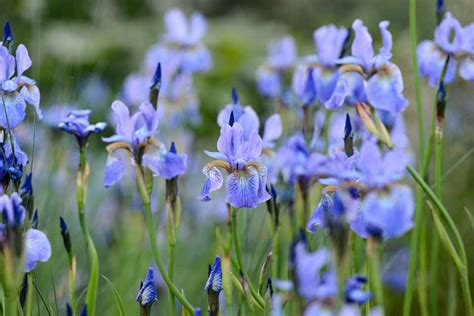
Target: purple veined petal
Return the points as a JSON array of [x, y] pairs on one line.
[[20, 156], [362, 44], [384, 90], [269, 82], [242, 188], [272, 131], [114, 169], [164, 163], [176, 26], [37, 248], [317, 218], [198, 28], [9, 85], [326, 80], [432, 61], [231, 141], [7, 64], [23, 60], [32, 96], [262, 193], [216, 155], [15, 106], [390, 212], [339, 95], [370, 161], [124, 125], [282, 53], [359, 225], [449, 34], [329, 40], [150, 118], [466, 68], [213, 182]]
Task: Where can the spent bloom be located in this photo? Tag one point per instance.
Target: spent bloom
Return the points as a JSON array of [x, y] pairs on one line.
[[281, 56], [368, 77], [450, 38], [240, 156], [16, 90], [147, 293], [318, 72], [77, 124], [135, 134]]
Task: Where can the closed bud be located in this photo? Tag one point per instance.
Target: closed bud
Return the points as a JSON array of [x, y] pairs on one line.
[[65, 235]]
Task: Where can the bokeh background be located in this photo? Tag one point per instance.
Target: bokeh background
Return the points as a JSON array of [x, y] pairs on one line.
[[83, 50]]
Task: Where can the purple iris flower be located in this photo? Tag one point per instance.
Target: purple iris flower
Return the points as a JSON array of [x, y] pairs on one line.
[[214, 281], [281, 56], [16, 90], [135, 134], [385, 214], [367, 77], [240, 156], [329, 41], [12, 210], [450, 38], [147, 293], [294, 157], [354, 291], [77, 123]]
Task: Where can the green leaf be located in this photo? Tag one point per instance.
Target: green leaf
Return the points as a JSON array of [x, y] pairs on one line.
[[118, 299]]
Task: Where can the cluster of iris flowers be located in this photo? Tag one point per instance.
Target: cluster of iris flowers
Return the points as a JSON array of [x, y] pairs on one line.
[[340, 174]]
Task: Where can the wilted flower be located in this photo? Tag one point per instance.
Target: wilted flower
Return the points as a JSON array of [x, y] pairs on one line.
[[135, 134], [318, 73], [77, 124], [240, 157], [369, 78], [450, 38], [280, 57], [147, 294]]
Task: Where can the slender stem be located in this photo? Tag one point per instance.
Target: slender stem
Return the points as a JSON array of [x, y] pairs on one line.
[[72, 282], [29, 294], [463, 271], [82, 183], [423, 291], [154, 247], [373, 253], [238, 253], [11, 305], [172, 303]]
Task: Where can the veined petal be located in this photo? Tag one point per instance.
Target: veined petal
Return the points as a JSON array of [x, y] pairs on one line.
[[432, 61], [15, 106], [37, 248], [124, 125], [213, 182], [231, 141], [326, 80], [31, 94], [242, 188], [114, 169]]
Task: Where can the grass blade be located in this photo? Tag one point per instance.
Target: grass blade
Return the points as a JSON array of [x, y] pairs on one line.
[[118, 299]]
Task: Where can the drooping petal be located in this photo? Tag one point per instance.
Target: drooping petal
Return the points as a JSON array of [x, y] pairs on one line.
[[432, 61], [114, 169], [326, 80], [349, 88], [23, 60], [20, 158], [213, 182], [242, 188], [317, 218], [31, 94], [362, 44], [272, 131], [163, 163], [37, 248], [466, 68], [384, 90], [15, 106]]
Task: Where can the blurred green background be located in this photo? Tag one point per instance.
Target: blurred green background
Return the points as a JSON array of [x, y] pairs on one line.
[[83, 50]]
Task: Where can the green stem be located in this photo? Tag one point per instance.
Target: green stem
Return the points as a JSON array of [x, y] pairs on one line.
[[11, 305], [72, 282], [82, 184], [154, 247], [29, 294], [170, 273], [463, 271], [373, 253], [238, 253]]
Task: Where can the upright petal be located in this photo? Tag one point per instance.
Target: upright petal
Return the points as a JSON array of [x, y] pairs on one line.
[[362, 44], [37, 248], [124, 126], [249, 121], [231, 142], [23, 60], [385, 52], [198, 28], [449, 34], [176, 26], [269, 82], [114, 169], [329, 40], [282, 53], [253, 147], [272, 131]]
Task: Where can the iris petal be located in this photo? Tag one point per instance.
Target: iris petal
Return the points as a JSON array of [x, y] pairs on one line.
[[38, 248]]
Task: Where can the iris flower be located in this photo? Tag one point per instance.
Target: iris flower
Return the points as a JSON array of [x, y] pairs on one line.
[[146, 295]]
